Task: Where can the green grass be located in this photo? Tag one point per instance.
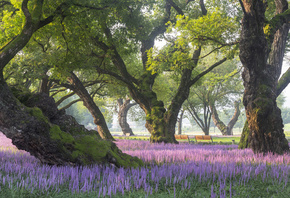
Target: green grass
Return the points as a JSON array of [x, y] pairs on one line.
[[132, 137], [225, 140]]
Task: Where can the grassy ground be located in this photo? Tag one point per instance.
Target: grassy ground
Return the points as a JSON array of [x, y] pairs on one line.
[[220, 140], [216, 139]]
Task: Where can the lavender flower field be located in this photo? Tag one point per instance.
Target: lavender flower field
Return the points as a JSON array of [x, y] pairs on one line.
[[184, 170]]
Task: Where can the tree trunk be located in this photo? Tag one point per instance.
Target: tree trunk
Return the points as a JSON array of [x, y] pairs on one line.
[[180, 122], [53, 137], [244, 137], [234, 119], [216, 120], [44, 85], [124, 107], [205, 123], [89, 103], [225, 130], [260, 81]]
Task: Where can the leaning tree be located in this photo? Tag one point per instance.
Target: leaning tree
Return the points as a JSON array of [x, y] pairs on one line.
[[262, 46], [33, 122]]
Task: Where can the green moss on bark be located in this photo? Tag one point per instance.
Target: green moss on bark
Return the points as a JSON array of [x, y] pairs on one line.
[[244, 137], [37, 113], [89, 149], [57, 134]]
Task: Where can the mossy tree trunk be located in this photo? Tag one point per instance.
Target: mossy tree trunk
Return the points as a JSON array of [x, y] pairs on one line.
[[225, 129], [124, 106], [52, 136], [244, 137], [89, 103], [141, 89], [261, 77], [38, 127]]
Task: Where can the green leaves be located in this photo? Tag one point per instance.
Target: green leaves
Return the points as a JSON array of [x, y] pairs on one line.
[[11, 23], [214, 28], [215, 32]]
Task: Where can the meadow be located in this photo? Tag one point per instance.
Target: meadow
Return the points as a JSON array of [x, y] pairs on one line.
[[183, 170]]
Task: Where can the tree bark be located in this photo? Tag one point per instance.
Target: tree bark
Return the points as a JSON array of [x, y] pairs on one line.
[[216, 120], [234, 118], [263, 116], [225, 129], [99, 120], [53, 137], [45, 85], [124, 106], [179, 128], [244, 137]]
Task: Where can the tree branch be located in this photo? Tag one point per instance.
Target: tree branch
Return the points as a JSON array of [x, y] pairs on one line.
[[148, 43], [277, 22], [215, 49], [3, 3], [26, 11], [206, 71], [242, 5], [178, 10], [90, 7], [113, 74], [57, 91], [283, 82], [117, 59], [64, 98], [203, 9], [70, 104]]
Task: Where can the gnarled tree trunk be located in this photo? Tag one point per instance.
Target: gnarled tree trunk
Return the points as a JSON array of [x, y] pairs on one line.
[[53, 137], [260, 79], [124, 106], [89, 103], [275, 59]]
